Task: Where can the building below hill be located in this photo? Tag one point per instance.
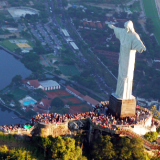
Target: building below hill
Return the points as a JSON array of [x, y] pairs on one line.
[[80, 96], [49, 85], [44, 104], [44, 85]]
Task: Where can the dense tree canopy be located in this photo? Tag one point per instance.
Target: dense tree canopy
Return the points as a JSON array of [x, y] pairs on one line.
[[16, 79], [105, 148], [57, 102], [151, 136], [66, 148], [31, 61], [60, 148]]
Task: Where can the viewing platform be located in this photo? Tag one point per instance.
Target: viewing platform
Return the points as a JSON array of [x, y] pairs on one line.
[[91, 122]]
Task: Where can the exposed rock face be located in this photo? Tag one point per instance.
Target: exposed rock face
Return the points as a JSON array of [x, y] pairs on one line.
[[50, 129]]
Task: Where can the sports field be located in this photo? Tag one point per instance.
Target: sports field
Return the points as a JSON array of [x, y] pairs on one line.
[[69, 70], [151, 12], [12, 46]]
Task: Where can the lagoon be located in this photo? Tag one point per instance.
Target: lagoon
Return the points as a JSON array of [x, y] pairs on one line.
[[8, 117], [9, 67]]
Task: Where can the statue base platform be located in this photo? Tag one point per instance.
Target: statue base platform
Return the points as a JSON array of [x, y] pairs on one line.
[[122, 107]]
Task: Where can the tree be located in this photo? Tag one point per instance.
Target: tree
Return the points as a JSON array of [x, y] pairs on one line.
[[30, 57], [18, 50], [40, 92], [19, 154], [17, 79], [64, 148], [151, 136], [103, 148], [57, 102], [130, 149], [31, 61], [155, 112], [43, 142], [39, 50], [158, 130]]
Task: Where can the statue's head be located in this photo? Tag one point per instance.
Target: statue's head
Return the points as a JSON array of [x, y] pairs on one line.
[[129, 26]]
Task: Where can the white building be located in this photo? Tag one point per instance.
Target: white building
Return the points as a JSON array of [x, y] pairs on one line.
[[44, 85], [74, 46], [65, 32], [49, 85]]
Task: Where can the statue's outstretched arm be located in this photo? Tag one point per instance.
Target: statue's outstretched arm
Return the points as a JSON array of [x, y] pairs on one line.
[[143, 48], [111, 26]]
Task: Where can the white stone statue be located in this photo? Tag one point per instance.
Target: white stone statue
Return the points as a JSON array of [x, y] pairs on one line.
[[130, 42]]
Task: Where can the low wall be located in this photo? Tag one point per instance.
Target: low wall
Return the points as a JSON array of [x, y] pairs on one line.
[[54, 130], [148, 121]]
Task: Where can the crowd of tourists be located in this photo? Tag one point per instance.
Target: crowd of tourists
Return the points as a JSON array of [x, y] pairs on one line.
[[100, 116]]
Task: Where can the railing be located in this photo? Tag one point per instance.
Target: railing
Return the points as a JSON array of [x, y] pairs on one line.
[[124, 130]]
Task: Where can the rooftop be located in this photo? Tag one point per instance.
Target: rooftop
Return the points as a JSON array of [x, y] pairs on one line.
[[75, 92], [34, 83], [48, 83], [44, 104], [90, 100]]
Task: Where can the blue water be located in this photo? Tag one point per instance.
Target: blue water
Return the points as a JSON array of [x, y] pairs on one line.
[[6, 117], [9, 67], [26, 103]]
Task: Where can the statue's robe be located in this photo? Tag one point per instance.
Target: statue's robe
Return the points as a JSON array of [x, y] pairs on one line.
[[129, 43]]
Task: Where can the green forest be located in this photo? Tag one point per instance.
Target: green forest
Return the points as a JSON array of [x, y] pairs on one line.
[[77, 148]]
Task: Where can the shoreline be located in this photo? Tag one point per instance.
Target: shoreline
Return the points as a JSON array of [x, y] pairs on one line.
[[5, 49], [13, 110]]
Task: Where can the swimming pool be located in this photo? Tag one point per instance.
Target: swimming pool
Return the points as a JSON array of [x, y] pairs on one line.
[[26, 103]]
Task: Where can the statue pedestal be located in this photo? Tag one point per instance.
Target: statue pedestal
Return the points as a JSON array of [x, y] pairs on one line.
[[122, 107]]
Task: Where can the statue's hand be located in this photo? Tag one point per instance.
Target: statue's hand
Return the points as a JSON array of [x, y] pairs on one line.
[[143, 48], [111, 26]]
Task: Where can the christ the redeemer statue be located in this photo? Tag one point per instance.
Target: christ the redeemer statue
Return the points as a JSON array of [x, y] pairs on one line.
[[130, 42]]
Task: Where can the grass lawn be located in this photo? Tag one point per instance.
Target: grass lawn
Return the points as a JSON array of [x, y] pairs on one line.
[[69, 70], [12, 46], [18, 93], [151, 12], [51, 56]]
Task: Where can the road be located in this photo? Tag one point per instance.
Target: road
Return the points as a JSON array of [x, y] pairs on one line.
[[64, 20]]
